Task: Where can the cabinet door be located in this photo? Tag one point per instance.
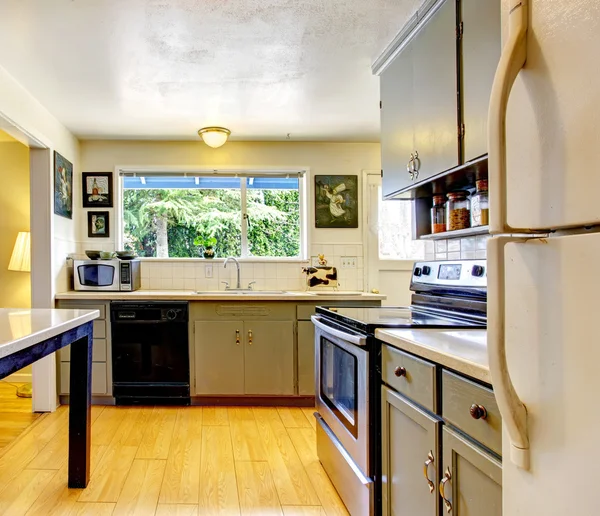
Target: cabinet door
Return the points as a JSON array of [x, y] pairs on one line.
[[306, 358], [409, 435], [269, 363], [435, 93], [99, 379], [219, 357], [474, 487], [481, 47], [396, 87]]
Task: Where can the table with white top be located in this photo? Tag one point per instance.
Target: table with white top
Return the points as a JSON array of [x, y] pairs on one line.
[[31, 334]]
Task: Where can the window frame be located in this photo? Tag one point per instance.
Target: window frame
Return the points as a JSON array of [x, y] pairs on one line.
[[302, 172]]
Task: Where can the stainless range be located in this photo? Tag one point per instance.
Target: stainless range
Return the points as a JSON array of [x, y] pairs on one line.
[[347, 361]]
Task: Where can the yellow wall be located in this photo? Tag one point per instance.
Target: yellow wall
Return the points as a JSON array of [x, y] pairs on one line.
[[15, 287]]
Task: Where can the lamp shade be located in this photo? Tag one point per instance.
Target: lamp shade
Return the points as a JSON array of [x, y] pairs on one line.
[[21, 255], [214, 136]]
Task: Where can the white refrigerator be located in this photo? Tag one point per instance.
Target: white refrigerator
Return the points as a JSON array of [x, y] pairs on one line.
[[544, 293]]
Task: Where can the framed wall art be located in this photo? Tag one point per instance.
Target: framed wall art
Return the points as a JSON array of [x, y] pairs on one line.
[[97, 189], [63, 186], [336, 202], [98, 224]]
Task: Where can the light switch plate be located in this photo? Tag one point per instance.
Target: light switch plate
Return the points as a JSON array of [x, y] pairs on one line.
[[348, 262], [208, 271]]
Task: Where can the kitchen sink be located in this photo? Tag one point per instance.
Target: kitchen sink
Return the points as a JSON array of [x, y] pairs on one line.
[[241, 292]]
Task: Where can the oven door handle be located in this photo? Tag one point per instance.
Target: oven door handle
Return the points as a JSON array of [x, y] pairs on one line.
[[348, 337]]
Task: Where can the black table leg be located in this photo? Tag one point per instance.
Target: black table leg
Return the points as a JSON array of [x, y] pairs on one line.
[[80, 411]]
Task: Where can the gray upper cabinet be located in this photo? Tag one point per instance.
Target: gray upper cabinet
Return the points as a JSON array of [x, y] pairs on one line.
[[435, 94], [481, 46], [410, 458], [219, 357], [397, 131], [269, 357], [472, 479], [419, 105]]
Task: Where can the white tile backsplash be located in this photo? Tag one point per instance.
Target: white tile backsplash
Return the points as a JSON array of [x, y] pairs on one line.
[[267, 275], [468, 248]]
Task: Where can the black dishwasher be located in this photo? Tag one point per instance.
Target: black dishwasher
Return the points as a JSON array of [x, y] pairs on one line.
[[150, 353]]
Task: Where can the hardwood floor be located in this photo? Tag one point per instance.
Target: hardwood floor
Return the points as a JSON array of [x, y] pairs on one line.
[[190, 461], [15, 413]]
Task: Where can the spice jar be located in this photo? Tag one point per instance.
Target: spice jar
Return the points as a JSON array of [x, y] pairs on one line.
[[480, 207], [438, 214], [458, 211]]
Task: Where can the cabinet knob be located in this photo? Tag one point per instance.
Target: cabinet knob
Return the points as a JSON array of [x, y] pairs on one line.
[[237, 337], [478, 411], [400, 371], [250, 337]]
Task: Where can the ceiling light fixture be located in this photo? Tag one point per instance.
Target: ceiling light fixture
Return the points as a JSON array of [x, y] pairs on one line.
[[214, 136]]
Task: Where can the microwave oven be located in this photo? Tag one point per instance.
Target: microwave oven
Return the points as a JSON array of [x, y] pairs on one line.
[[109, 275]]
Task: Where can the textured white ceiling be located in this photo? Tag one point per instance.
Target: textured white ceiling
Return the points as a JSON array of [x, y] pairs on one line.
[[162, 69]]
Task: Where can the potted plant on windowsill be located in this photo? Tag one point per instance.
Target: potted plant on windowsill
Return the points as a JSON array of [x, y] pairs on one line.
[[207, 245]]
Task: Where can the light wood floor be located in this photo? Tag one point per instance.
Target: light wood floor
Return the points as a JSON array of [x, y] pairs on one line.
[[173, 462], [15, 413]]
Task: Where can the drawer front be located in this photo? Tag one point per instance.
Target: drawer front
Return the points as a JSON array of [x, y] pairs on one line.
[[98, 352], [458, 395], [418, 382], [99, 329], [99, 381], [80, 305], [305, 312]]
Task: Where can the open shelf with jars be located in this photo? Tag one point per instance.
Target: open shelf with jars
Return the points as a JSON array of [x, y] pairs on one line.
[[454, 205]]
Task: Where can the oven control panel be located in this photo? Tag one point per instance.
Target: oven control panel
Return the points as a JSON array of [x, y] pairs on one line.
[[450, 273]]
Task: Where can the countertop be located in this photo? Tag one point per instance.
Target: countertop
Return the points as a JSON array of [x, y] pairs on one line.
[[187, 295], [22, 328], [464, 351]]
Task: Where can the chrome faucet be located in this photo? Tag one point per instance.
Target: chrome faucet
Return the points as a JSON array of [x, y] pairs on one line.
[[239, 284]]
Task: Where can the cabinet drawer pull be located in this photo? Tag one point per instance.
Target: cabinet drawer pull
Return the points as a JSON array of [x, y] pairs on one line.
[[410, 166], [478, 411], [250, 337], [400, 371], [417, 163], [237, 337], [430, 460], [447, 477]]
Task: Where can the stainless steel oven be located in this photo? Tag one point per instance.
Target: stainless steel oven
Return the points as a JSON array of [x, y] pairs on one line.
[[342, 362]]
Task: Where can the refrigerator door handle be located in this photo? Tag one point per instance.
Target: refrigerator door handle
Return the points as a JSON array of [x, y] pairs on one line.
[[512, 59], [514, 413]]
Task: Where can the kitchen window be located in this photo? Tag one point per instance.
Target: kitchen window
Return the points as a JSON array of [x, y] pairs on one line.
[[258, 215]]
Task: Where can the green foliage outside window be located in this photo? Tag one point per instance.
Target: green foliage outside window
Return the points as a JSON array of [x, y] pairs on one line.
[[166, 222]]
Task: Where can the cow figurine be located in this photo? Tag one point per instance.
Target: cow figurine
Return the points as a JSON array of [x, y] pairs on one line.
[[321, 276]]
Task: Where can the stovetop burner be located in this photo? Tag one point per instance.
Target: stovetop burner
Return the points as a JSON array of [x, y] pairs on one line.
[[366, 319]]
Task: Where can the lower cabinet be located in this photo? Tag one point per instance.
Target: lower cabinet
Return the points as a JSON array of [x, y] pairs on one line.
[[306, 358], [410, 458], [99, 384], [472, 480], [244, 357]]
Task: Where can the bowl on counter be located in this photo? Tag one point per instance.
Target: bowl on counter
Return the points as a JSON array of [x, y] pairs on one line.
[[107, 255], [126, 255], [93, 255]]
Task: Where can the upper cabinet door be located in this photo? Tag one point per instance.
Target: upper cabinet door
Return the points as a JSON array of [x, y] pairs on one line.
[[481, 47], [435, 89], [397, 131]]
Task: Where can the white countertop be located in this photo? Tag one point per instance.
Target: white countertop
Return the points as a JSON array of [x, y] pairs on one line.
[[187, 295], [464, 351], [22, 328]]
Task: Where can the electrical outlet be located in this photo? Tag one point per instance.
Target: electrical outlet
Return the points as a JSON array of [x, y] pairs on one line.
[[208, 271], [348, 262]]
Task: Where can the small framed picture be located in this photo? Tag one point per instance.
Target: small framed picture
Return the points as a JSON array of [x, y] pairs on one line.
[[97, 189], [63, 186], [98, 225], [336, 201]]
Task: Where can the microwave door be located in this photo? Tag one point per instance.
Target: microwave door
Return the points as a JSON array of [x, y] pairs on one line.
[[97, 276]]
